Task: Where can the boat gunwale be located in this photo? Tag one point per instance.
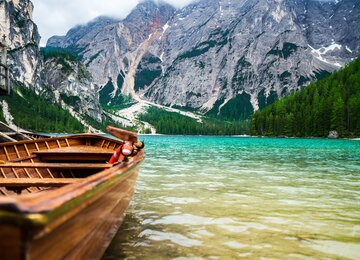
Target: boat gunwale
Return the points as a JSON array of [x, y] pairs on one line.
[[90, 135]]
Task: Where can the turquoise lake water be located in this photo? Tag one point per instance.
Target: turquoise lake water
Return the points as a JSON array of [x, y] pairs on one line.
[[248, 198]]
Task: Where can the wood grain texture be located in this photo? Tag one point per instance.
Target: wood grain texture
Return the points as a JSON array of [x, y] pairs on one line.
[[122, 134], [57, 165], [90, 230], [37, 182], [75, 221], [11, 246]]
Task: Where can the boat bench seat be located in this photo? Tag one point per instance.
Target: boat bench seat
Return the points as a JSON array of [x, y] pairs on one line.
[[57, 165], [76, 153], [36, 182]]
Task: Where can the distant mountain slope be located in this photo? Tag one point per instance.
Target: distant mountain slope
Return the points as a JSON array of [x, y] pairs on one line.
[[329, 104], [217, 56], [32, 112], [51, 74], [110, 48]]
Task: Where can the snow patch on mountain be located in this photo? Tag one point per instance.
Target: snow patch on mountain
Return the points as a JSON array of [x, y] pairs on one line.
[[320, 52]]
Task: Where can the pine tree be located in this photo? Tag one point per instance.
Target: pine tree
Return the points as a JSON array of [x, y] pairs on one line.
[[329, 104]]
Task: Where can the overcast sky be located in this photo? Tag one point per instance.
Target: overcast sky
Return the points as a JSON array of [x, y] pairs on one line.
[[56, 17]]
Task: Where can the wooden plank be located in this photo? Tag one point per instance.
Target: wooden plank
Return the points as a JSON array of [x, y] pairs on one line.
[[50, 173], [3, 173], [57, 165], [47, 145], [32, 161], [72, 140], [27, 150], [22, 159], [78, 153], [72, 174], [11, 245], [9, 133], [6, 152], [14, 171], [122, 134], [85, 230], [17, 151], [61, 174], [7, 138], [37, 182], [83, 149], [56, 157]]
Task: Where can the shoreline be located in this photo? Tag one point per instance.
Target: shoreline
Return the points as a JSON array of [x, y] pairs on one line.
[[234, 136]]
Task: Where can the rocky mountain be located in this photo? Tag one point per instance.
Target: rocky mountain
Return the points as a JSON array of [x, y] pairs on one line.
[[244, 52], [214, 57], [70, 84], [110, 48], [22, 38], [57, 77], [226, 57]]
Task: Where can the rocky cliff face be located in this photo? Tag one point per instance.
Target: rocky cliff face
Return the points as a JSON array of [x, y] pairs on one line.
[[110, 48], [67, 79], [69, 83], [218, 55], [245, 53], [22, 38]]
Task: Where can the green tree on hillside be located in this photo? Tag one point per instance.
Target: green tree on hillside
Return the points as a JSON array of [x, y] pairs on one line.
[[332, 103], [34, 113]]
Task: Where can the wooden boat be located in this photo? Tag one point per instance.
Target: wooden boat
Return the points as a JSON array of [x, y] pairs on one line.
[[60, 199], [8, 134]]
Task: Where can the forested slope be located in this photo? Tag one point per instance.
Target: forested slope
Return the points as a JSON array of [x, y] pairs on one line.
[[175, 124], [329, 104], [34, 113]]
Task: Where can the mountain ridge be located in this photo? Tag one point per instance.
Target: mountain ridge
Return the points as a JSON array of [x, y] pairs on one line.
[[198, 57]]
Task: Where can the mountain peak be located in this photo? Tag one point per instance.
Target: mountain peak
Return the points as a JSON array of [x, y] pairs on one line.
[[148, 10], [216, 54]]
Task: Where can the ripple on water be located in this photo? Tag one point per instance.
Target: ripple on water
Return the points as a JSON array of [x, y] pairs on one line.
[[235, 244], [276, 220], [175, 238], [174, 200], [340, 249], [172, 185], [203, 232], [236, 195], [292, 202], [235, 229], [281, 198], [190, 258], [189, 219], [208, 184]]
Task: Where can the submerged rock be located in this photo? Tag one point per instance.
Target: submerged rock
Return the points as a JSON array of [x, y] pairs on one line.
[[333, 135]]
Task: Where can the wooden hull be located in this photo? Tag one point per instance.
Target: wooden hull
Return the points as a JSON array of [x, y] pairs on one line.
[[77, 221]]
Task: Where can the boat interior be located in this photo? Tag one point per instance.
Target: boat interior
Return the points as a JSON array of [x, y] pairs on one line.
[[38, 165]]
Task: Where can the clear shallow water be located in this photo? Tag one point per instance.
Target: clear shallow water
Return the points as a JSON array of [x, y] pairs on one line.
[[230, 198]]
